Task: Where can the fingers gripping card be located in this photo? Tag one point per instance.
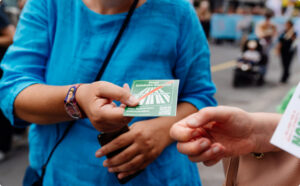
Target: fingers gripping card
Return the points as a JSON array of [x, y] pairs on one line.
[[157, 98]]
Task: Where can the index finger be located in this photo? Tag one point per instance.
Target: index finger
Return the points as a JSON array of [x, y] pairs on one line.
[[111, 91], [182, 132], [210, 114]]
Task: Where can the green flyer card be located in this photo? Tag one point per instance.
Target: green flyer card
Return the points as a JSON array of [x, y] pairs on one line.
[[157, 98]]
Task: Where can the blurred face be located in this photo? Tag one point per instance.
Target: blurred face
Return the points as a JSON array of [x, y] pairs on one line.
[[204, 5], [252, 45], [288, 26]]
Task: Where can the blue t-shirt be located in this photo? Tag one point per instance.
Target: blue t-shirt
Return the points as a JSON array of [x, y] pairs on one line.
[[62, 42]]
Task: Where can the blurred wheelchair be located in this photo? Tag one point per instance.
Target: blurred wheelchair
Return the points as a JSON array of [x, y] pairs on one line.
[[251, 66]]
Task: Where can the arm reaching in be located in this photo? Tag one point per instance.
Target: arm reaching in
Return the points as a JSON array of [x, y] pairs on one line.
[[215, 133]]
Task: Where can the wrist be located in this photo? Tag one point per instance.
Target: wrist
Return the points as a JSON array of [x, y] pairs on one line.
[[71, 105], [158, 128], [163, 126], [264, 126], [81, 95]]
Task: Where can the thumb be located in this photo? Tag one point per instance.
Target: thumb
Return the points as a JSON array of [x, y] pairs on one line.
[[111, 91], [126, 87]]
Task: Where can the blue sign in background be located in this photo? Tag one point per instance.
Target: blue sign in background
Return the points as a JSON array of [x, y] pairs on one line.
[[225, 26]]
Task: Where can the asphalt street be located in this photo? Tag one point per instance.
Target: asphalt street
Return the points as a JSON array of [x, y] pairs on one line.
[[254, 99]]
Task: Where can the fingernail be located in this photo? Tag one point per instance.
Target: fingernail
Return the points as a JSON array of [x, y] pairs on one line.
[[110, 170], [105, 164], [195, 134], [192, 122], [216, 150], [126, 85], [132, 101], [99, 154], [204, 145]]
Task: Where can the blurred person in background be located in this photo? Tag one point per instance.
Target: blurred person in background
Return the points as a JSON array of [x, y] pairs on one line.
[[257, 10], [275, 6], [204, 15], [231, 10], [7, 31], [289, 10], [286, 49], [245, 25], [240, 10], [13, 11], [266, 31], [297, 30]]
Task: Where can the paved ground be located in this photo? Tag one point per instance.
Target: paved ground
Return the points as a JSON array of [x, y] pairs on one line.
[[264, 98]]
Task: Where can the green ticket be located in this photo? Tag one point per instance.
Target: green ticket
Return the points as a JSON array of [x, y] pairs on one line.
[[157, 98]]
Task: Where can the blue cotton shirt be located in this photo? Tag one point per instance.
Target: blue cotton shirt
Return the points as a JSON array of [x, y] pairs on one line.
[[62, 42]]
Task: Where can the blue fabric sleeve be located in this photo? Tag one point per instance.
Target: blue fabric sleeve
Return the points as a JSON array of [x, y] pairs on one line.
[[25, 61], [193, 63]]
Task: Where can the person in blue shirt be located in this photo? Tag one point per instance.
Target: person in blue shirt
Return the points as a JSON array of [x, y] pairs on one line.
[[60, 43]]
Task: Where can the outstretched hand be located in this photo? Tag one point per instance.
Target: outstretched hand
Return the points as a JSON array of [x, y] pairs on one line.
[[215, 133]]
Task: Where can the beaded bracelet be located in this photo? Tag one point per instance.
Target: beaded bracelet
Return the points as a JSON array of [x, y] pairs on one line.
[[71, 105]]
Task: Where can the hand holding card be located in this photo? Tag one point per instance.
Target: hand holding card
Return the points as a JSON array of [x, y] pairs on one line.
[[157, 98]]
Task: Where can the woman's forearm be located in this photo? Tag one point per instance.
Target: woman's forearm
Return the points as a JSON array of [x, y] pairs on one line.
[[42, 104], [264, 127]]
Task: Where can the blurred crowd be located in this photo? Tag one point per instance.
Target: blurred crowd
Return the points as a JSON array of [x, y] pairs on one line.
[[205, 11], [268, 34]]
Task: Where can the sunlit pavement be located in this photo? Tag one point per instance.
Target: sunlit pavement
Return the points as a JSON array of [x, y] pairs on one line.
[[264, 98]]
